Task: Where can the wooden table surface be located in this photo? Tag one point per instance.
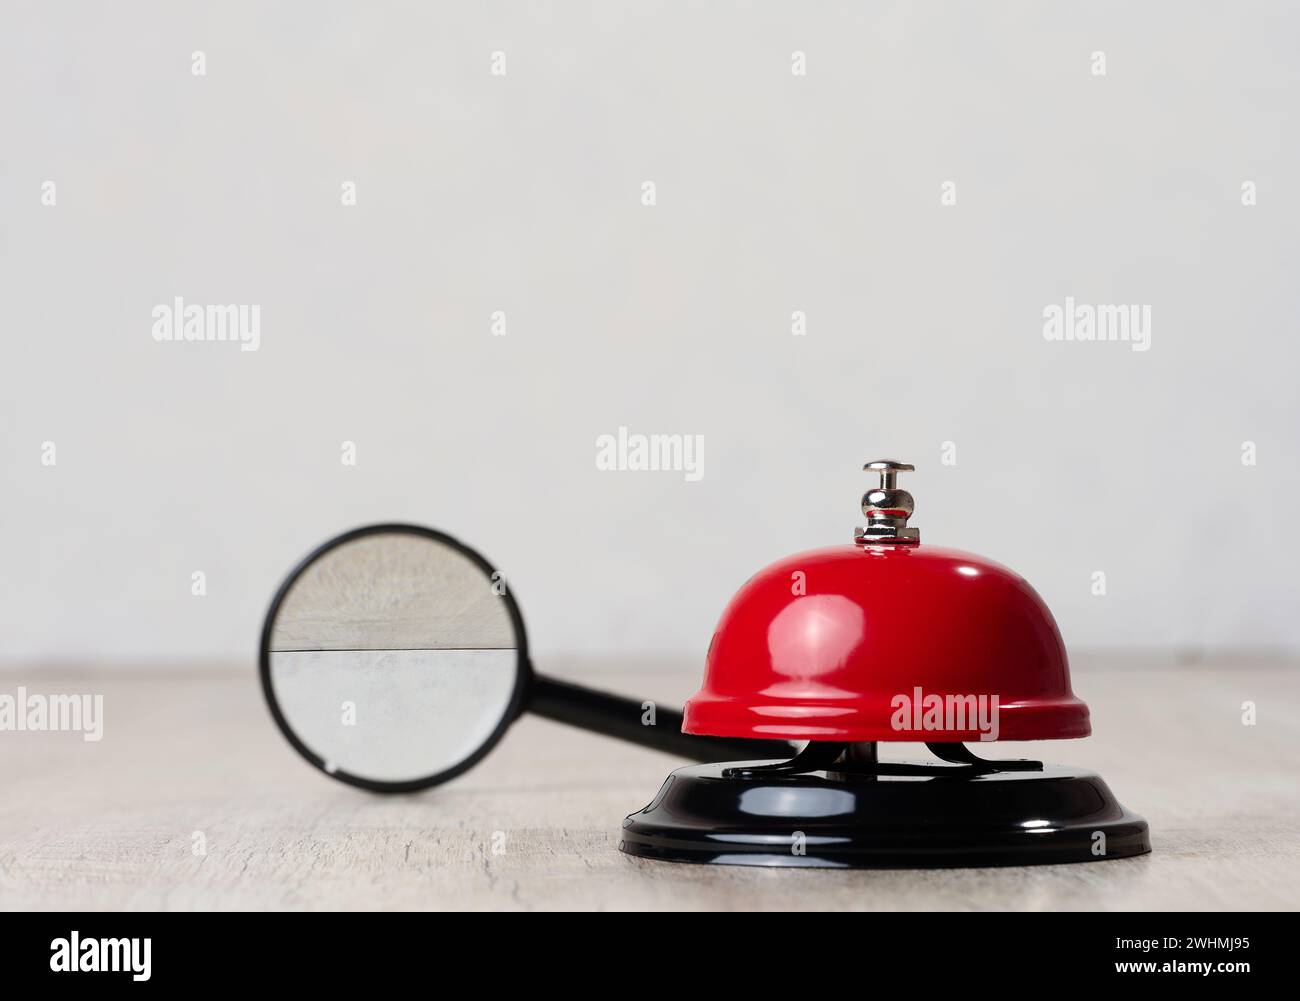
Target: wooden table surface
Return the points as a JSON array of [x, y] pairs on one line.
[[191, 757]]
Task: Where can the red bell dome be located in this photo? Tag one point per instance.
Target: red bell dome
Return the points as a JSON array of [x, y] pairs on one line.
[[887, 640]]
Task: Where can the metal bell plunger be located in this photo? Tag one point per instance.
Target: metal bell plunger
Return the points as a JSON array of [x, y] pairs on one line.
[[881, 640]]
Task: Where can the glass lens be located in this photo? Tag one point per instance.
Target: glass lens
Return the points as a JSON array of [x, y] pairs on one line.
[[393, 657]]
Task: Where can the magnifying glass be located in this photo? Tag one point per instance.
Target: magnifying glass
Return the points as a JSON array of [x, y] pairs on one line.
[[394, 658]]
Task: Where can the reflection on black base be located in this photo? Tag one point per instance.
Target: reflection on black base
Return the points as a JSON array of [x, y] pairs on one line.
[[949, 816]]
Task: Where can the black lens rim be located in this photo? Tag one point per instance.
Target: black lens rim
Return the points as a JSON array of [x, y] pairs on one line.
[[523, 667]]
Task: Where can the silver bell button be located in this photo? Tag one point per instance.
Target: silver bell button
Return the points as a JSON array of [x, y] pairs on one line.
[[887, 508]]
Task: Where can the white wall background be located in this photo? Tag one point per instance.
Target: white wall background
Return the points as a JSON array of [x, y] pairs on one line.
[[521, 193]]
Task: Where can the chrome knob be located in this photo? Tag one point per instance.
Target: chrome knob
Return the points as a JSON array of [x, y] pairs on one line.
[[887, 507]]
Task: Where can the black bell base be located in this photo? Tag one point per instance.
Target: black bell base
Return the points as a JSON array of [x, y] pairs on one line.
[[844, 820]]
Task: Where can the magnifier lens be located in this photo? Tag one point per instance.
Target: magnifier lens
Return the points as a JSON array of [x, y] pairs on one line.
[[393, 658]]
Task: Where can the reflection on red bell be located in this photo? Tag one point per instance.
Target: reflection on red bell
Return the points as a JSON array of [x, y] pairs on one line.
[[887, 639]]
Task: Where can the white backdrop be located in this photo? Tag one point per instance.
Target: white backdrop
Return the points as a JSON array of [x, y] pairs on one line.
[[128, 178]]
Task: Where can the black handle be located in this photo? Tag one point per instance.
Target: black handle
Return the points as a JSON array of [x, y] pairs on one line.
[[616, 716]]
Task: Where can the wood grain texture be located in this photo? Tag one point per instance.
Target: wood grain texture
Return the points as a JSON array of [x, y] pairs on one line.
[[111, 825]]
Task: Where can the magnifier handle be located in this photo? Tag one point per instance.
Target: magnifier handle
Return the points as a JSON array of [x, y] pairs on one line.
[[617, 716]]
